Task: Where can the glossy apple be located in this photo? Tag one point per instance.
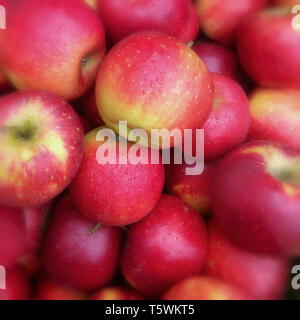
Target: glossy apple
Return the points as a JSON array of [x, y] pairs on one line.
[[263, 277], [116, 194], [12, 236], [271, 61], [17, 286], [125, 17], [154, 82], [193, 25], [47, 289], [229, 122], [195, 190], [218, 59], [165, 247], [257, 197], [40, 147], [203, 288], [78, 254], [220, 19], [116, 293], [276, 116], [60, 54]]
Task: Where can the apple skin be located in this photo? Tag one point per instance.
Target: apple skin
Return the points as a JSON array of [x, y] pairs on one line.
[[47, 289], [71, 45], [203, 288], [154, 81], [75, 257], [195, 190], [192, 29], [40, 147], [270, 61], [12, 236], [229, 122], [263, 277], [4, 83], [285, 3], [90, 109], [218, 59], [116, 194], [257, 198], [220, 19], [17, 286], [116, 293], [122, 18], [165, 247], [276, 116]]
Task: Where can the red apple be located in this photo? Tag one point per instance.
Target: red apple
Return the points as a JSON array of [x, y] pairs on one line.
[[89, 108], [204, 288], [40, 147], [4, 83], [154, 82], [124, 17], [220, 19], [193, 26], [257, 197], [78, 254], [276, 116], [17, 286], [218, 59], [116, 293], [271, 61], [165, 247], [53, 45], [12, 236], [261, 276], [195, 190], [116, 194], [229, 122], [48, 289]]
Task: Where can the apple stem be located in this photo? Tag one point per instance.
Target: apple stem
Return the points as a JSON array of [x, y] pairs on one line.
[[94, 229], [190, 44]]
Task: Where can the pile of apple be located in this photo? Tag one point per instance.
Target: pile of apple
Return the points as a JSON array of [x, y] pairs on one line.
[[73, 228]]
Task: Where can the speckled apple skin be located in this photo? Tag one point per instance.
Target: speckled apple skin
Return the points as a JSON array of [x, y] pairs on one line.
[[165, 247]]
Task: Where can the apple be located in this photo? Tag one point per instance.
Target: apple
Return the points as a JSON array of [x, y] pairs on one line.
[[271, 61], [229, 122], [154, 82], [41, 144], [122, 18], [263, 277], [284, 3], [257, 197], [276, 116], [78, 253], [92, 3], [4, 83], [218, 59], [116, 293], [116, 194], [168, 245], [12, 236], [220, 19], [60, 53], [195, 190], [47, 289], [17, 286], [193, 25], [90, 109], [203, 288]]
